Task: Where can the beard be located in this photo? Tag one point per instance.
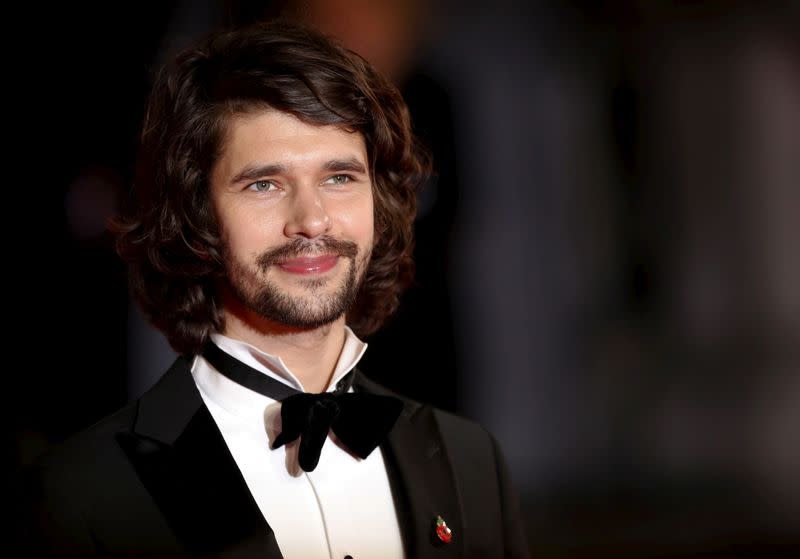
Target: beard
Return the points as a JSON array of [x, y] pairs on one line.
[[319, 304]]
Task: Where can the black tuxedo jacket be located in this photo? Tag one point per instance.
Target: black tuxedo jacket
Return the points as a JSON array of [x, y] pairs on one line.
[[156, 479]]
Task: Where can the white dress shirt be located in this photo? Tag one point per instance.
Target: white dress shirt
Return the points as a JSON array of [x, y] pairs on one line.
[[343, 507]]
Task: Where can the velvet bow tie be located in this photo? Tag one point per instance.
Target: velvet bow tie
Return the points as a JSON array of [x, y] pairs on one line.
[[360, 421]]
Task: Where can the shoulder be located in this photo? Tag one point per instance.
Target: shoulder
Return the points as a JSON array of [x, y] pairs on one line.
[[478, 471], [62, 487], [90, 440], [97, 446], [461, 436], [93, 457], [80, 460]]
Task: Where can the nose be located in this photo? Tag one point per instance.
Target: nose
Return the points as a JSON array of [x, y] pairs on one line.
[[308, 216]]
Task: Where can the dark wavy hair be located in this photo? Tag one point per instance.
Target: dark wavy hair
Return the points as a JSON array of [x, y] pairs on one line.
[[168, 234]]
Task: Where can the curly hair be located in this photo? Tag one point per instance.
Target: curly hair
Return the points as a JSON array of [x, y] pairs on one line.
[[169, 235]]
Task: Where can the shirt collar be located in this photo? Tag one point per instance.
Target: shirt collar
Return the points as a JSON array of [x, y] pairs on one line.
[[352, 351]]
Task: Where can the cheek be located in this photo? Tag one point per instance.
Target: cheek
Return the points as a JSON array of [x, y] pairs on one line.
[[356, 220], [247, 234], [363, 227]]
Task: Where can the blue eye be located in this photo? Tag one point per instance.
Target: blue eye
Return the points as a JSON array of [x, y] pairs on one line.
[[339, 179], [262, 186]]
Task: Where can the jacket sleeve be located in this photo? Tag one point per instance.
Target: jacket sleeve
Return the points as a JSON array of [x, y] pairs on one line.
[[516, 545]]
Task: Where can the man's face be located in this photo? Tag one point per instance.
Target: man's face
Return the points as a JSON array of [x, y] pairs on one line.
[[295, 208]]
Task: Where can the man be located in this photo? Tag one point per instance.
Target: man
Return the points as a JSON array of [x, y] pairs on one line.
[[275, 196]]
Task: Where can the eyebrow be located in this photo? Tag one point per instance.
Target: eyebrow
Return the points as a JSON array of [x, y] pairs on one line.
[[352, 164], [253, 172]]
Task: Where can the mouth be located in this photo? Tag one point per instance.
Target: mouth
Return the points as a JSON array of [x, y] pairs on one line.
[[307, 265]]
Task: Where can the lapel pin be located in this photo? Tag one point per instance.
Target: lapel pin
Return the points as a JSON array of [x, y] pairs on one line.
[[442, 531]]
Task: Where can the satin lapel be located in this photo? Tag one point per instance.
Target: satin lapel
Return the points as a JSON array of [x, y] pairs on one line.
[[183, 461], [422, 481]]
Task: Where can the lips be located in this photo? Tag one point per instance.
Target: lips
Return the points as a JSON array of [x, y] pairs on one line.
[[309, 264]]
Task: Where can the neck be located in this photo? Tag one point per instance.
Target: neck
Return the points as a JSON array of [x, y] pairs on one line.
[[311, 354]]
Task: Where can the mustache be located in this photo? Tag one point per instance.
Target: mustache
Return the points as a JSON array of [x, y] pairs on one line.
[[301, 247]]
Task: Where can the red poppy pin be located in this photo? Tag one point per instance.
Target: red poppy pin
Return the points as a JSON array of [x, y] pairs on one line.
[[442, 531]]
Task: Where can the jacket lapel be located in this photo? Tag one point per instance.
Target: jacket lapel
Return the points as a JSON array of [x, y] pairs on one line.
[[183, 461], [422, 481]]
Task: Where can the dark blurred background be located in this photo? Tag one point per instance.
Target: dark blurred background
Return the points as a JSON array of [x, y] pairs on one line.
[[608, 261]]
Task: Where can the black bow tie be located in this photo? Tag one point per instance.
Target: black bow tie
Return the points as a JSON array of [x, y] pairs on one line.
[[360, 421]]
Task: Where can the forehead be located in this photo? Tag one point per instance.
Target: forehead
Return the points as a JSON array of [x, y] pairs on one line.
[[272, 134]]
